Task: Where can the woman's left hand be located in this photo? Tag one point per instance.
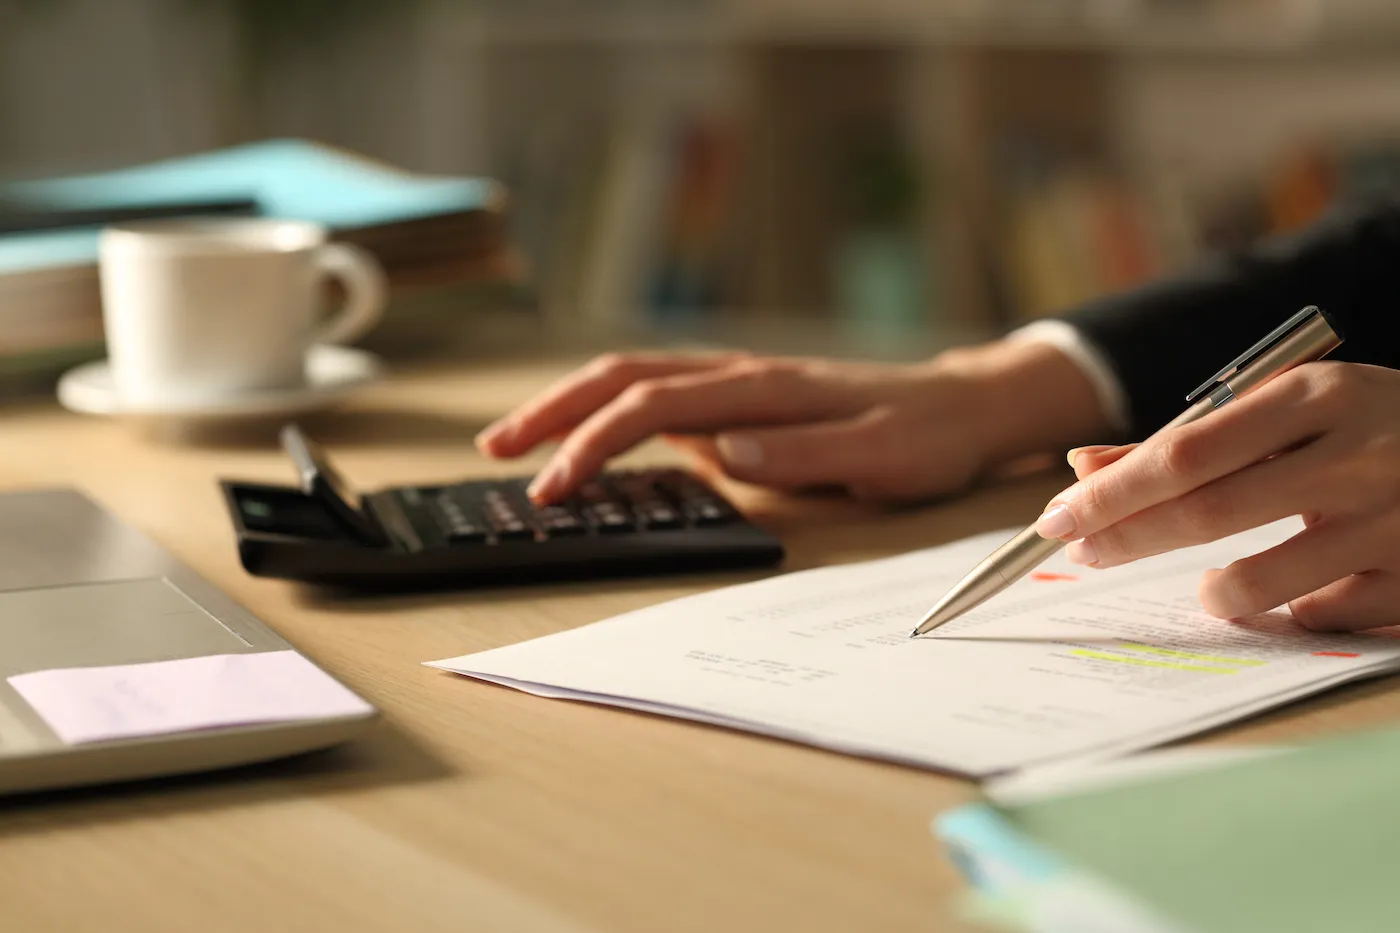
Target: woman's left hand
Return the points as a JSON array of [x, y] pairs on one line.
[[1321, 441]]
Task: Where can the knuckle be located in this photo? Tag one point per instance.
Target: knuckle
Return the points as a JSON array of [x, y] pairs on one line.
[[1183, 454], [768, 375], [647, 393], [610, 364], [752, 367], [1115, 543], [1335, 387], [1204, 512], [1308, 613], [881, 421], [1385, 448], [1383, 468], [1091, 505], [1248, 587]]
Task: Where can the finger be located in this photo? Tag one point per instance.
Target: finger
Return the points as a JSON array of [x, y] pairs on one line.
[[696, 402], [698, 446], [1181, 459], [1289, 484], [1360, 601], [562, 406], [1307, 562], [1089, 460], [700, 450], [848, 451]]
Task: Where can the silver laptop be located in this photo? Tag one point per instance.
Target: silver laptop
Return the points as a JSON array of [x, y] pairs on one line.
[[79, 588]]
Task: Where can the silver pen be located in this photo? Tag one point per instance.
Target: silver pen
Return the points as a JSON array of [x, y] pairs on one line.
[[1304, 337]]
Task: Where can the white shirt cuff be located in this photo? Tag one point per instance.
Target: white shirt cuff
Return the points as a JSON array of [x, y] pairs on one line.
[[1068, 340]]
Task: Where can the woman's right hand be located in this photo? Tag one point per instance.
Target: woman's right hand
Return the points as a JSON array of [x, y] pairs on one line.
[[884, 432]]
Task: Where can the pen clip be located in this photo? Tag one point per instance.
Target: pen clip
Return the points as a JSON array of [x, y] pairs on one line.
[[1259, 349]]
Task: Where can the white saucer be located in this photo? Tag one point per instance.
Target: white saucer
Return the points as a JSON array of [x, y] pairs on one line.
[[332, 373]]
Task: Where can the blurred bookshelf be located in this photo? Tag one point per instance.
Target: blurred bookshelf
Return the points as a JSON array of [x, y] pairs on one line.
[[893, 175], [1211, 26], [882, 177]]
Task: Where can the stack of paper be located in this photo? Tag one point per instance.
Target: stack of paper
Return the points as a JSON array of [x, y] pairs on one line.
[[427, 232], [1284, 840], [1066, 664]]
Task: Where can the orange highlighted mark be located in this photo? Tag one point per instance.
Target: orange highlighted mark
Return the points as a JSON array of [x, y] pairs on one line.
[[1045, 576], [1335, 654]]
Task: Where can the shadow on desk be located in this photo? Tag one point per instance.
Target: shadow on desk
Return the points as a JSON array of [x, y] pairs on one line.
[[430, 596], [358, 427], [383, 757]]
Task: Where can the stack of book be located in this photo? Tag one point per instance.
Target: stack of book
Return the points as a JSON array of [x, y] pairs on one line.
[[433, 235]]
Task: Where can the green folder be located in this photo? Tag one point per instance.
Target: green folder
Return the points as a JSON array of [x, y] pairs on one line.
[[1306, 841]]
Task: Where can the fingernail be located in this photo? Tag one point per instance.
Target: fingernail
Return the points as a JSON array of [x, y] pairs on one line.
[[1089, 449], [548, 482], [1057, 522], [1082, 552], [740, 451], [492, 433]]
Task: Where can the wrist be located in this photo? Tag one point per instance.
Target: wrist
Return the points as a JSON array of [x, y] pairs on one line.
[[1023, 398]]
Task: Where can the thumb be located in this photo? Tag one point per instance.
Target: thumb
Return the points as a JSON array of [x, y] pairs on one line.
[[824, 453], [1089, 460]]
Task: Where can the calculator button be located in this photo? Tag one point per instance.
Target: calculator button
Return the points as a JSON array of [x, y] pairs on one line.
[[608, 517], [513, 531], [647, 501], [708, 513], [564, 529], [699, 503], [660, 516], [466, 534], [600, 509], [558, 521], [504, 518], [458, 524]]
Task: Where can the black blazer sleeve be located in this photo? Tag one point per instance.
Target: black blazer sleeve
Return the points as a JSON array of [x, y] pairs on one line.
[[1165, 339]]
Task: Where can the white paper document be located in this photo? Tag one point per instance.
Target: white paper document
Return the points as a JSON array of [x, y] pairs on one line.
[[1068, 663], [95, 704]]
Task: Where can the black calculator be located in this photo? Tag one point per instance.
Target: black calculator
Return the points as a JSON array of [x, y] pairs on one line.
[[623, 523]]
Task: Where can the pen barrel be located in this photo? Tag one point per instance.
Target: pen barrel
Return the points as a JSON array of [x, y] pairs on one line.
[[1019, 556], [1010, 562], [1311, 342], [996, 572]]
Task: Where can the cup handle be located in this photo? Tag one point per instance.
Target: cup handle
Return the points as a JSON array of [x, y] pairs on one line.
[[365, 287]]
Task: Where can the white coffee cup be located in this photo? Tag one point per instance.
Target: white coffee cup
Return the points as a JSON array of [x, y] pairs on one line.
[[200, 310]]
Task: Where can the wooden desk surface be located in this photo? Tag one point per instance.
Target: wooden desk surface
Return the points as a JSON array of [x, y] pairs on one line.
[[475, 807]]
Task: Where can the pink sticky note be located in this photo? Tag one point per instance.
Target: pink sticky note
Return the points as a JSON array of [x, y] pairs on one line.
[[96, 704]]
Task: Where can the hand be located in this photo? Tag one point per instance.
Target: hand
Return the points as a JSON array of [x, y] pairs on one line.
[[882, 431], [1321, 441]]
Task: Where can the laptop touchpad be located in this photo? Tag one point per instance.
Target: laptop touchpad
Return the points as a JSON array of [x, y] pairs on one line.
[[95, 624]]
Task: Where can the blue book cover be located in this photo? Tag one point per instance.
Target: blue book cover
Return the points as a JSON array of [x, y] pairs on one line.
[[288, 178], [1019, 885]]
